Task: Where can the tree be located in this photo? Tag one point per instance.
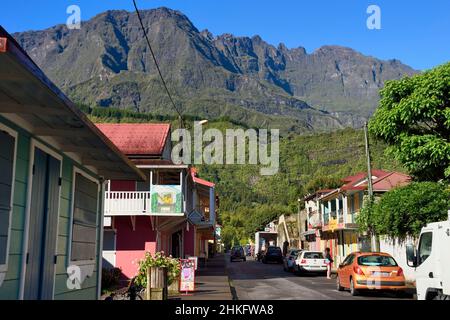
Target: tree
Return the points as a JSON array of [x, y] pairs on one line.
[[403, 211], [323, 182], [413, 117]]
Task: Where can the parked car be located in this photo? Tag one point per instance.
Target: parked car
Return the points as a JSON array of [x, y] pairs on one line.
[[289, 260], [273, 254], [370, 271], [237, 253], [311, 262]]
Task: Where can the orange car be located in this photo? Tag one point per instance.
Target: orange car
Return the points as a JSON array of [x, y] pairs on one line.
[[370, 271]]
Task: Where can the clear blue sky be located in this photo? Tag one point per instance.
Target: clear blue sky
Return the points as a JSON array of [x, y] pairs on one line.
[[415, 31]]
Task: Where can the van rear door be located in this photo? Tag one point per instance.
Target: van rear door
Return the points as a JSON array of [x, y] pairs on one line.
[[444, 256]]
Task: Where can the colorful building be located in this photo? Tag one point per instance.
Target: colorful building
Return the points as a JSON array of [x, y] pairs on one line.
[[332, 213], [53, 164], [172, 211]]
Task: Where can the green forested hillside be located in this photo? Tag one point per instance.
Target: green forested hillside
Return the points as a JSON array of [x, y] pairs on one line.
[[248, 200]]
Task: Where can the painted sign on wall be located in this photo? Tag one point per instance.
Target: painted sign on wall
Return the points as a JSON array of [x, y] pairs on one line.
[[187, 277], [166, 199]]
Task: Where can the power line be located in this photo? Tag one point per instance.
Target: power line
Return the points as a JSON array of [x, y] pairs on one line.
[[157, 65]]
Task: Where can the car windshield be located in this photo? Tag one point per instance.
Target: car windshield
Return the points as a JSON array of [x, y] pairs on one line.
[[313, 255], [377, 261]]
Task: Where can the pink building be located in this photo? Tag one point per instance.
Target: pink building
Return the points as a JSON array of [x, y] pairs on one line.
[[172, 211]]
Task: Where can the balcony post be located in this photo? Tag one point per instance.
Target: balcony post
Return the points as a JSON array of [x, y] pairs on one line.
[[337, 209], [212, 206], [345, 209], [322, 217]]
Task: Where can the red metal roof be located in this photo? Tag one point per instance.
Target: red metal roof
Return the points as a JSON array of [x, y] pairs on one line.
[[137, 138], [384, 181]]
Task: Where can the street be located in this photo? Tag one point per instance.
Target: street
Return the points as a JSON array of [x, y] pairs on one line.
[[253, 280]]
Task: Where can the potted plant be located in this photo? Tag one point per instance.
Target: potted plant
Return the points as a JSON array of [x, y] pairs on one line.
[[157, 273]]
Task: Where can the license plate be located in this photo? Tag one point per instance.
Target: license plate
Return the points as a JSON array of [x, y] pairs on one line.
[[381, 274]]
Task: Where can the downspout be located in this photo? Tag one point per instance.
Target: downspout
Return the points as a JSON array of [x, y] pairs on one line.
[[100, 258]]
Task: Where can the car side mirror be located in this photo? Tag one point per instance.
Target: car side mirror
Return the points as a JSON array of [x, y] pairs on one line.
[[411, 258]]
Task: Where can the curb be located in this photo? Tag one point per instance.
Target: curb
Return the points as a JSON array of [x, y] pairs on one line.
[[233, 292]]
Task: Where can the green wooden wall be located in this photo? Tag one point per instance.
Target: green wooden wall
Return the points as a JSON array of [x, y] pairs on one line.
[[10, 286]]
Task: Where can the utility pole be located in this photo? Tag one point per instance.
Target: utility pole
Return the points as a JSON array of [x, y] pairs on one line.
[[374, 240]]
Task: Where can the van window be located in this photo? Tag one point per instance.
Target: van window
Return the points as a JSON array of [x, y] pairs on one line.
[[425, 244]]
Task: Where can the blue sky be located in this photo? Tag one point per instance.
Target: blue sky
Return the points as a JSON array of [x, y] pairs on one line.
[[415, 31]]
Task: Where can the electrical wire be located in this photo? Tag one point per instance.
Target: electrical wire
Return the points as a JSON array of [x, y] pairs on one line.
[[157, 65]]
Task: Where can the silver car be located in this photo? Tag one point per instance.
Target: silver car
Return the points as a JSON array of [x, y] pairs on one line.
[[289, 260]]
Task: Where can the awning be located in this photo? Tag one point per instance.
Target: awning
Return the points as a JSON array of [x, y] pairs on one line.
[[308, 233], [29, 98]]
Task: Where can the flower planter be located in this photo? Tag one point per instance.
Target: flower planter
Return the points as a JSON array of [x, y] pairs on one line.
[[174, 287], [157, 288]]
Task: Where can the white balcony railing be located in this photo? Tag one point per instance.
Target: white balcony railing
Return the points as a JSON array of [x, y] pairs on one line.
[[162, 200], [127, 203]]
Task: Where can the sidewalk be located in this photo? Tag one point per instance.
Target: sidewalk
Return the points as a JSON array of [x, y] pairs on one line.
[[211, 282]]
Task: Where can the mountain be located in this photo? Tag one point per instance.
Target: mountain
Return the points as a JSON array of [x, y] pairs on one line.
[[107, 63]]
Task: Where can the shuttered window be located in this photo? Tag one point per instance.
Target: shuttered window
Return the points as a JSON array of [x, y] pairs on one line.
[[7, 148], [84, 225]]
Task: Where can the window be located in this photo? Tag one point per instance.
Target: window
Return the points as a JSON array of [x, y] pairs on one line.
[[425, 244], [347, 261], [7, 164], [84, 223], [273, 250], [313, 255], [377, 261]]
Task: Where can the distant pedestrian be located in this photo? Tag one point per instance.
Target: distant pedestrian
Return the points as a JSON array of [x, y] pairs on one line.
[[285, 247], [329, 261]]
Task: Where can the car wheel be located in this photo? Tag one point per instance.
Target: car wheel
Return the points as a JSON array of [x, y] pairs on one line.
[[353, 291], [338, 284]]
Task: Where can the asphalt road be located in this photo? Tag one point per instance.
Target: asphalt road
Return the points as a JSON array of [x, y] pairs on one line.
[[254, 280]]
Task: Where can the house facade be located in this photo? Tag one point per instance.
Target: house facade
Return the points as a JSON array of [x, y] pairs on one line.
[[53, 164], [172, 211], [332, 213]]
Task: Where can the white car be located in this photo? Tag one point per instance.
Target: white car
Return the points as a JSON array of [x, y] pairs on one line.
[[311, 261]]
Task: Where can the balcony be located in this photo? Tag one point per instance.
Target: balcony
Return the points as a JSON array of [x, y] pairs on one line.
[[162, 200]]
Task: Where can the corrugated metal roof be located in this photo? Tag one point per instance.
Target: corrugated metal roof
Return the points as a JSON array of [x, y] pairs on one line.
[[137, 138], [383, 182]]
